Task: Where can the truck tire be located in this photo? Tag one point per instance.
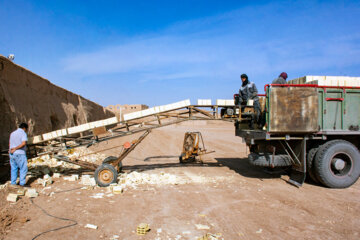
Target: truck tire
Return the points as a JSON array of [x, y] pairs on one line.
[[337, 164], [263, 160], [310, 169]]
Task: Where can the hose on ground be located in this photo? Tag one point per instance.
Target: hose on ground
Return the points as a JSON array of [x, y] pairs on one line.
[[60, 218]]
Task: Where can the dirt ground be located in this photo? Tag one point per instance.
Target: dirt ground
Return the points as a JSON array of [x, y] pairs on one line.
[[225, 193]]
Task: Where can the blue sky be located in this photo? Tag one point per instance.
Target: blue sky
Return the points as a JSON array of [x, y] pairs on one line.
[[158, 52]]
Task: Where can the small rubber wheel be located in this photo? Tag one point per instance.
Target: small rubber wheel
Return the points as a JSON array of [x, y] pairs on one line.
[[105, 174], [337, 164], [188, 160], [310, 169], [181, 160]]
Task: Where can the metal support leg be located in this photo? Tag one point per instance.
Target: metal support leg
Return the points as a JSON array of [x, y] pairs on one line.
[[158, 119], [298, 172]]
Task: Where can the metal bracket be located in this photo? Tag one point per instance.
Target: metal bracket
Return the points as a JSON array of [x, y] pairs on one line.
[[297, 178], [287, 152]]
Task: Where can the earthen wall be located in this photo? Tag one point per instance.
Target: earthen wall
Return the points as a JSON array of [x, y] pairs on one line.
[[27, 97]]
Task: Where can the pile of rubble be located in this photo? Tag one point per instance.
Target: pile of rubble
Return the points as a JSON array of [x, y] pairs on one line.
[[46, 168], [84, 154], [134, 179], [125, 181], [46, 164]]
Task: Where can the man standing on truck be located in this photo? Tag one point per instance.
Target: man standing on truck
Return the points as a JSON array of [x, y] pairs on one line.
[[248, 91], [281, 79], [17, 151]]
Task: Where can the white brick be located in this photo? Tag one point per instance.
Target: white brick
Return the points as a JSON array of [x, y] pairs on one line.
[[31, 193], [75, 176], [225, 102], [71, 178], [12, 197], [35, 139], [56, 175], [117, 189], [78, 129], [157, 109], [87, 180], [91, 226], [204, 102]]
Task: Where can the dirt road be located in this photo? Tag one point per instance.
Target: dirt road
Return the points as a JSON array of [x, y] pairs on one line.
[[226, 194]]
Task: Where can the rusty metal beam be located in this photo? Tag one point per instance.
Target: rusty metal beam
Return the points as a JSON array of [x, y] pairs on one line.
[[128, 128], [206, 113]]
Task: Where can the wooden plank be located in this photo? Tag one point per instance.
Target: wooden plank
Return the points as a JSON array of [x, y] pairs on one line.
[[99, 131]]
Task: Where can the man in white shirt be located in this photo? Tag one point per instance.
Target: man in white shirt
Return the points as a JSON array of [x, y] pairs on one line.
[[17, 151]]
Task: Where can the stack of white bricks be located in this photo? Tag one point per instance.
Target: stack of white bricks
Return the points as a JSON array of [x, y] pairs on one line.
[[155, 110], [72, 130], [204, 102], [92, 125], [337, 81], [225, 102]]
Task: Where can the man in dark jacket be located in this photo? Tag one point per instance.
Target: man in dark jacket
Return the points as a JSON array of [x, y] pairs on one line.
[[281, 79], [248, 91]]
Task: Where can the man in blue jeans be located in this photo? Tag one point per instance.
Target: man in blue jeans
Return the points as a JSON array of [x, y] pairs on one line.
[[17, 150]]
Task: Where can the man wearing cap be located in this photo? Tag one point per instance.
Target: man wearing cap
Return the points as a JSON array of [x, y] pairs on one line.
[[248, 91], [281, 79], [17, 152]]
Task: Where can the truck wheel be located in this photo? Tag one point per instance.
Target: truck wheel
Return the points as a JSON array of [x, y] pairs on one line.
[[310, 169], [263, 160], [337, 164], [105, 174]]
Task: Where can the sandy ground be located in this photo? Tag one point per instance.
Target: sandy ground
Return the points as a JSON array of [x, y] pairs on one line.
[[226, 193]]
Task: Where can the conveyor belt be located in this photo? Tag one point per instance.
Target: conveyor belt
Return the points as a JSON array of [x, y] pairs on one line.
[[103, 130]]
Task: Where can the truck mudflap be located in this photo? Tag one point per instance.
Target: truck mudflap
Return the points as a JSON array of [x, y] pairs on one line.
[[269, 160]]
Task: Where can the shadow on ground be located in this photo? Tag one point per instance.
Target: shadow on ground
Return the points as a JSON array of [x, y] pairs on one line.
[[245, 169], [239, 165], [161, 157], [146, 167]]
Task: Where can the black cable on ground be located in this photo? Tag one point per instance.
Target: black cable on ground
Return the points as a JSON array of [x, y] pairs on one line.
[[64, 219], [72, 189]]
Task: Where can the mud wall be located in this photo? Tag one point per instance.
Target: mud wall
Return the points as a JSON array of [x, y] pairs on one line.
[[27, 97]]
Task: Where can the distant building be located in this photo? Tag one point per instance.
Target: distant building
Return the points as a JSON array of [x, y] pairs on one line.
[[120, 110]]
